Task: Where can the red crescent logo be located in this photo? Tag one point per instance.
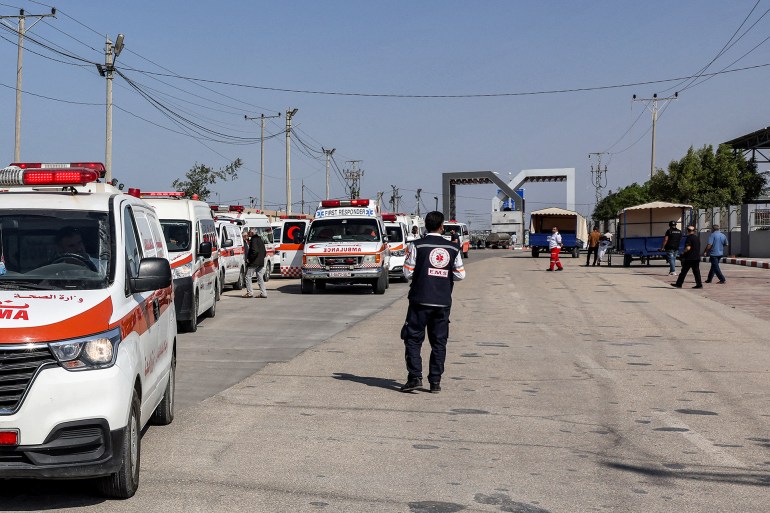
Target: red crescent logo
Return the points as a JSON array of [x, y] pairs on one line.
[[290, 232]]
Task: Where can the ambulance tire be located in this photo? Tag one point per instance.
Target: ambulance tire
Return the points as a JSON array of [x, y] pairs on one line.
[[221, 282], [387, 281], [218, 284], [211, 312], [191, 326], [266, 273], [378, 285], [238, 285], [307, 287], [320, 285], [124, 483], [164, 413]]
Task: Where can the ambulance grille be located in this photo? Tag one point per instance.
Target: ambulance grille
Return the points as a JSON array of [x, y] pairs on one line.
[[18, 367], [341, 261]]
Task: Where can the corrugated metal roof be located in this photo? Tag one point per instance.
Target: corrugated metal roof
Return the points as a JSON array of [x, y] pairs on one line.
[[656, 204]]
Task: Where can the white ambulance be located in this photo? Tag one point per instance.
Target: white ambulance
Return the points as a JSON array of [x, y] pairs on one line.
[[346, 243], [397, 241], [87, 326], [232, 257], [191, 237], [258, 222], [462, 233], [291, 244]]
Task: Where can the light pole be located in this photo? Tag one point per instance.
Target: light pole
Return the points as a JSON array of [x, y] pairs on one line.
[[111, 53], [436, 198], [654, 100], [289, 114], [262, 157]]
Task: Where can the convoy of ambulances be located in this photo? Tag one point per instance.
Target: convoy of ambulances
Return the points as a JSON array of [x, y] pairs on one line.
[[462, 232], [346, 243], [87, 326], [291, 246], [191, 237], [232, 258], [397, 241]]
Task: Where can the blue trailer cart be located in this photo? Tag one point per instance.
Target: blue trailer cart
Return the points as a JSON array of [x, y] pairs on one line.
[[642, 228], [572, 227]]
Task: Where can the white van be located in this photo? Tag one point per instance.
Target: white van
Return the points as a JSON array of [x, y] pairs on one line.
[[232, 258], [258, 222], [462, 232], [397, 240], [191, 237], [87, 326], [291, 245]]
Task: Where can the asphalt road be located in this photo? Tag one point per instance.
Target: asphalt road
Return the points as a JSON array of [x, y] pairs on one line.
[[593, 389]]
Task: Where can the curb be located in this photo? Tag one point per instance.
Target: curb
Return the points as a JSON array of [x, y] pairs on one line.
[[741, 261]]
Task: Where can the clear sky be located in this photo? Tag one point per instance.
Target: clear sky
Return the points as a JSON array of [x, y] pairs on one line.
[[256, 49]]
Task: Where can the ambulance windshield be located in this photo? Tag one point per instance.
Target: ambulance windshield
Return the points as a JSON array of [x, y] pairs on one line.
[[395, 234], [177, 234], [54, 250], [344, 230]]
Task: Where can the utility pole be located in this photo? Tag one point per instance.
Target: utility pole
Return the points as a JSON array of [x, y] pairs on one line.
[[379, 198], [262, 117], [302, 201], [353, 178], [436, 198], [111, 53], [289, 114], [328, 154], [417, 196], [654, 100], [22, 31], [598, 175], [394, 199]]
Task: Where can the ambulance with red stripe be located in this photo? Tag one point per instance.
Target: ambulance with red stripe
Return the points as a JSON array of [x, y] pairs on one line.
[[397, 240], [346, 243], [191, 237], [292, 230], [256, 221], [87, 326], [232, 253], [461, 233]]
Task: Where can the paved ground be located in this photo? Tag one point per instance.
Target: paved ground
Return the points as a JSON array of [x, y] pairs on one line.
[[594, 389]]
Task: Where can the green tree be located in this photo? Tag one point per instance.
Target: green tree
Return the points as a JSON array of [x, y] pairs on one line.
[[200, 176], [614, 202]]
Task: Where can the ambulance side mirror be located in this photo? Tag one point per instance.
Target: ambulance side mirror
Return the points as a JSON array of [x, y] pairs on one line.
[[228, 243], [205, 249], [154, 274]]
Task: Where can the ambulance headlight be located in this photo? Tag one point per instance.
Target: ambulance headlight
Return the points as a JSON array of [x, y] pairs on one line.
[[183, 271], [398, 253], [312, 260], [97, 351], [372, 259]]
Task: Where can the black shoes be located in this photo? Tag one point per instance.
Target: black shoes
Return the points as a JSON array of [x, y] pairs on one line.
[[411, 384], [435, 388], [675, 285], [698, 287]]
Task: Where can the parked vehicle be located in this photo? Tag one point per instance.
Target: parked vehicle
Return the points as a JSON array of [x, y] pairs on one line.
[[260, 223], [462, 232], [572, 228], [292, 245], [642, 228], [87, 326], [346, 243], [191, 237], [498, 240], [232, 258], [397, 241]]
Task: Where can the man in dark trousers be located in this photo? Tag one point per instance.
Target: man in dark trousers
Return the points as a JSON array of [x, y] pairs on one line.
[[593, 245], [671, 246], [255, 264], [433, 264], [690, 259]]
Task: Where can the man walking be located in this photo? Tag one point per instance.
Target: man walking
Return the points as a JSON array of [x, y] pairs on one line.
[[715, 250], [554, 245], [593, 245], [690, 259], [671, 246], [255, 263], [433, 264]]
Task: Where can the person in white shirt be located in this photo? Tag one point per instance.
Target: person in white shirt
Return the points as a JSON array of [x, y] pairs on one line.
[[554, 245]]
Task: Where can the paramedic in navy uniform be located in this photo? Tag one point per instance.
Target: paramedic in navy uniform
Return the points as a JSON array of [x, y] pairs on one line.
[[433, 264]]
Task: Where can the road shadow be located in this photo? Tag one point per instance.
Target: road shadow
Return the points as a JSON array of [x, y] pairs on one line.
[[388, 384], [747, 478], [35, 495], [362, 289]]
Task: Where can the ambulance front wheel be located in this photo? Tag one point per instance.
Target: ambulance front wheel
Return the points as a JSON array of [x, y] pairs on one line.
[[241, 280], [308, 287], [124, 483], [379, 285]]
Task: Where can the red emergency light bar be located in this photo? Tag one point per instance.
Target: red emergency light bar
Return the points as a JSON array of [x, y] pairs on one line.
[[294, 216], [345, 203], [16, 175], [236, 208], [94, 166], [163, 194], [9, 437], [214, 208], [388, 217]]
